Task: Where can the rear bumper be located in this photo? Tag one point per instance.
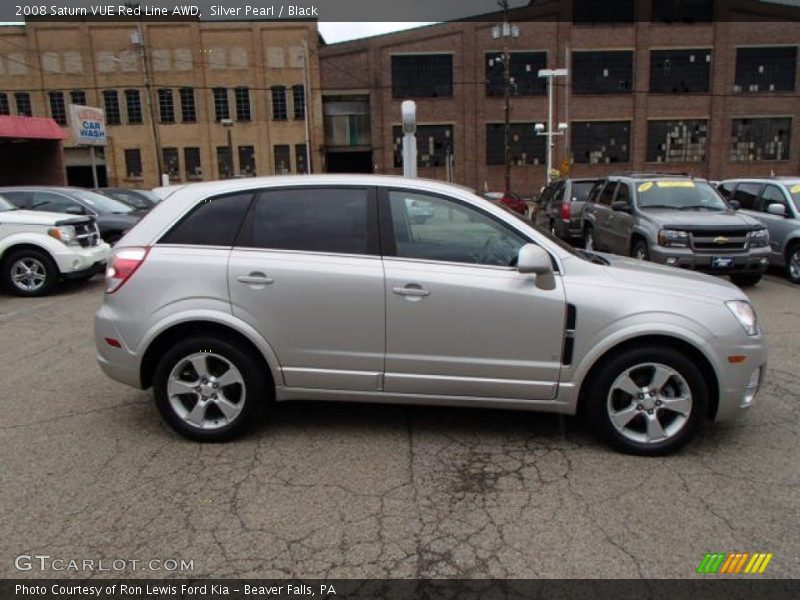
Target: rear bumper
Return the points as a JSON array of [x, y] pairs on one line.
[[755, 262], [119, 363]]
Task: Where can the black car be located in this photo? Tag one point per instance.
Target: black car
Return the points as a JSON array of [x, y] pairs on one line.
[[113, 217], [139, 199]]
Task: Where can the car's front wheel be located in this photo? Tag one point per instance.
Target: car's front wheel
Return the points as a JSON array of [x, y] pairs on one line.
[[29, 272], [647, 400], [640, 250], [793, 263], [208, 389]]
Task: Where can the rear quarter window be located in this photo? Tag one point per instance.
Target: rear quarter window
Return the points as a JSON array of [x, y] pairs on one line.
[[214, 222]]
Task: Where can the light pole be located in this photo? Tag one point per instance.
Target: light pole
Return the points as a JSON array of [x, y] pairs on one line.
[[562, 127], [228, 125], [506, 31]]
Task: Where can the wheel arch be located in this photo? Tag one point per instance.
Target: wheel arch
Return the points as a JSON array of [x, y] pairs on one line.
[[636, 236], [15, 246]]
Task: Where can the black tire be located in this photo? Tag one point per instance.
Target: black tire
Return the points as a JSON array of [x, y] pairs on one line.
[[255, 392], [41, 261], [598, 401], [793, 253], [640, 250], [746, 280]]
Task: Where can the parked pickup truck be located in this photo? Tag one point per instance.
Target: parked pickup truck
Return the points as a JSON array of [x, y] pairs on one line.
[[38, 249]]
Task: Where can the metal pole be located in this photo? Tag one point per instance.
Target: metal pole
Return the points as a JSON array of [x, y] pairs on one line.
[[306, 92], [507, 99], [549, 126], [94, 167], [150, 107], [231, 164]]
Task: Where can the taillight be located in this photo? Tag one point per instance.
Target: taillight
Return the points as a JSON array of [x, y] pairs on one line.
[[566, 213], [123, 264]]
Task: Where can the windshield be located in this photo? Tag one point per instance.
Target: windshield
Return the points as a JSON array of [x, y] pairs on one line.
[[5, 205], [794, 192], [103, 204], [679, 194]]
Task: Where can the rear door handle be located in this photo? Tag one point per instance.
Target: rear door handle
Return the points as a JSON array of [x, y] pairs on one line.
[[415, 291], [255, 278]]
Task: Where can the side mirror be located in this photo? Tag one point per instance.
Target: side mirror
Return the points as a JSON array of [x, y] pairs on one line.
[[536, 260], [734, 204], [75, 210], [777, 209], [621, 206]]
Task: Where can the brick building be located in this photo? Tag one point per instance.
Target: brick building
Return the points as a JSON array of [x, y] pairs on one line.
[[200, 81], [717, 96]]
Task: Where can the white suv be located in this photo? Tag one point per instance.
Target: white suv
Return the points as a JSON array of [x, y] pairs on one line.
[[37, 249]]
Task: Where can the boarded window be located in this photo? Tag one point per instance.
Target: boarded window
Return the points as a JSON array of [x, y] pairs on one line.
[[602, 72], [766, 69], [760, 139], [677, 141], [422, 76], [527, 148], [524, 73], [680, 71], [600, 142], [434, 145]]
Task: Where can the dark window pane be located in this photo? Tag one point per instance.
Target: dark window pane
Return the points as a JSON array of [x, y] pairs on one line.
[[78, 97], [525, 80], [282, 160], [592, 11], [607, 194], [726, 189], [242, 103], [317, 220], [434, 145], [680, 71], [24, 106], [58, 110], [133, 163], [111, 104], [214, 222], [278, 103], [422, 75], [166, 106], [221, 109], [191, 160], [188, 109], [527, 148], [772, 194], [600, 142], [677, 141], [247, 160], [5, 109], [171, 162], [300, 158], [682, 11], [50, 202], [224, 162], [134, 104], [760, 139], [746, 194], [602, 72], [299, 101], [766, 69]]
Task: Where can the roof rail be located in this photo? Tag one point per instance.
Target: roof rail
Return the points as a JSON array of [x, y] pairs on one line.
[[651, 174]]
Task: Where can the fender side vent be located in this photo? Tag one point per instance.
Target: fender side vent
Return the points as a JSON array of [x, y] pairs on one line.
[[569, 335]]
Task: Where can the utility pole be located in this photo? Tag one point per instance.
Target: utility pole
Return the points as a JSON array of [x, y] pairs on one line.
[[506, 31], [138, 39]]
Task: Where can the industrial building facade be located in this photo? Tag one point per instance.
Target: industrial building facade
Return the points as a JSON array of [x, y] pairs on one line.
[[716, 97], [197, 101]]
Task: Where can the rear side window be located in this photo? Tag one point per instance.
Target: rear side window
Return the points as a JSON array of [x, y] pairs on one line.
[[314, 220], [746, 195], [581, 189], [213, 222]]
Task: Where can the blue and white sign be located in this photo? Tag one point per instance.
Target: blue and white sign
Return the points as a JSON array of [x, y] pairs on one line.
[[88, 125]]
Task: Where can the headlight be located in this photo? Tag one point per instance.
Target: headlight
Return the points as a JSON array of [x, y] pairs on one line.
[[65, 234], [745, 314], [673, 238], [758, 238]]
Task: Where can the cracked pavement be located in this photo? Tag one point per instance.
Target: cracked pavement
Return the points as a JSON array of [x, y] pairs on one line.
[[345, 490]]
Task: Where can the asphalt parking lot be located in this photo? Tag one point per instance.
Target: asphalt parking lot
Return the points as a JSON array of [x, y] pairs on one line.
[[89, 471]]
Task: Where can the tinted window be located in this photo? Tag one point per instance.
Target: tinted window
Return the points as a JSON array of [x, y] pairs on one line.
[[102, 205], [19, 199], [434, 228], [772, 195], [213, 222], [746, 195], [726, 189], [607, 194], [623, 193], [314, 220], [50, 202], [580, 190]]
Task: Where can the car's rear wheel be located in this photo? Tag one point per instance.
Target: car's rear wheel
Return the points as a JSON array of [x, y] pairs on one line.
[[793, 263], [648, 401], [208, 389], [640, 250], [745, 280], [29, 272]]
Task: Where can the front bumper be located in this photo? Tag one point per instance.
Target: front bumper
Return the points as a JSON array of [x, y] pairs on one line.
[[76, 262], [740, 382], [754, 262]]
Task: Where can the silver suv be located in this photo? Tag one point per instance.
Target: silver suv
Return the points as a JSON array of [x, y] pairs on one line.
[[229, 294]]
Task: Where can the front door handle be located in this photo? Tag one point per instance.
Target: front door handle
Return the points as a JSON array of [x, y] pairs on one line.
[[411, 290], [256, 278]]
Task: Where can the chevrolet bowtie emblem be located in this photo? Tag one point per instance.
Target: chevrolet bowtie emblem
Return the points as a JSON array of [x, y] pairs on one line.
[[720, 239]]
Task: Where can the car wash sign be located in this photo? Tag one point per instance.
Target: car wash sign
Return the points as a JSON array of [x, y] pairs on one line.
[[88, 125]]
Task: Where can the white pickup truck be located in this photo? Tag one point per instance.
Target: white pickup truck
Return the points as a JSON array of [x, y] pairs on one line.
[[38, 249]]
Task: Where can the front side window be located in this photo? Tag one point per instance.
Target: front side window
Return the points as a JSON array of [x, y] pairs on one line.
[[772, 194], [213, 222], [435, 228], [607, 194], [50, 202], [311, 219], [746, 194]]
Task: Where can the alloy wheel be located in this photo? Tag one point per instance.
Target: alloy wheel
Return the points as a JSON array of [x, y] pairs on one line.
[[28, 274], [794, 264]]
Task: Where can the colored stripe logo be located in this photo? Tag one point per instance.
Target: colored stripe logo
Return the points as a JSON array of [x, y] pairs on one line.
[[734, 563]]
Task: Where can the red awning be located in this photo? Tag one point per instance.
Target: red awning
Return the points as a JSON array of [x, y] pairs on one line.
[[38, 128]]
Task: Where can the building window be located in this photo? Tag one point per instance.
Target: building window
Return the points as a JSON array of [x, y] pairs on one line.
[[242, 103], [682, 11], [5, 109], [527, 148], [188, 108], [58, 110], [600, 142], [191, 161], [111, 105], [133, 163], [602, 72], [278, 103], [524, 74], [23, 102], [299, 101], [434, 145], [78, 97], [133, 102], [300, 158], [247, 161], [422, 76], [224, 162], [677, 141], [766, 69], [680, 71], [221, 109], [592, 11], [761, 139], [282, 161], [166, 106], [172, 165]]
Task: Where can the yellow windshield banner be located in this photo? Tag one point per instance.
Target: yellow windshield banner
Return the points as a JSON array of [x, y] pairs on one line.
[[795, 189], [645, 186], [672, 184]]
